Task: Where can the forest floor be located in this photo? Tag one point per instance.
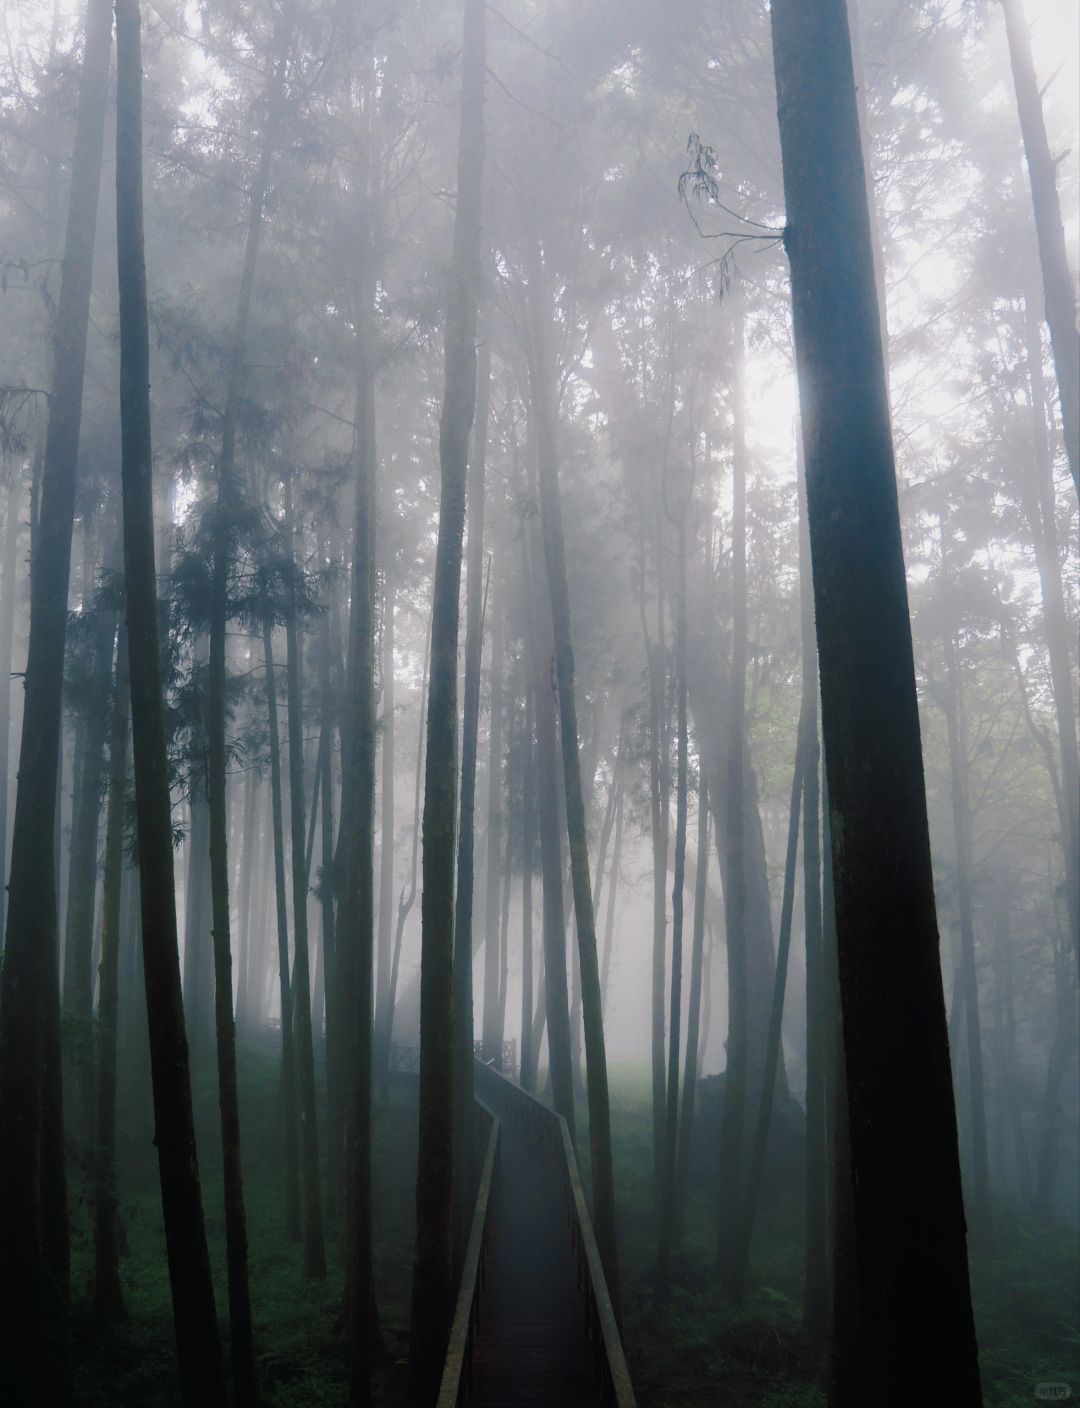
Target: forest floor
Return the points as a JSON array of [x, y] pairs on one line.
[[692, 1353]]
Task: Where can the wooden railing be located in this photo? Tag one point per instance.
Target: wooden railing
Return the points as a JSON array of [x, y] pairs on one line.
[[457, 1370], [550, 1132]]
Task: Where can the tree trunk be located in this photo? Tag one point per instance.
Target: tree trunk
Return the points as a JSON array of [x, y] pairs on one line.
[[32, 1334], [911, 1251], [355, 935], [492, 1047], [291, 1137], [601, 1160], [527, 1074], [1037, 496], [760, 1147], [314, 1245], [464, 901], [955, 723], [693, 1016], [668, 1190], [108, 1296], [732, 1131], [432, 1295], [202, 1378], [816, 1284], [1058, 289], [8, 565], [384, 952]]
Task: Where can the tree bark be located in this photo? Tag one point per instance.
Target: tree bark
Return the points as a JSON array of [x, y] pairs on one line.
[[291, 1137], [314, 1244], [32, 1333], [912, 1257], [202, 1376], [432, 1296], [1059, 291], [107, 1295]]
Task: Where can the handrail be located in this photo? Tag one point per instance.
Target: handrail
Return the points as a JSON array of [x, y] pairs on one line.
[[457, 1370], [550, 1128]]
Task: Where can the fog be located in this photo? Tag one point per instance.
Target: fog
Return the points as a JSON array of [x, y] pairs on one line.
[[538, 688]]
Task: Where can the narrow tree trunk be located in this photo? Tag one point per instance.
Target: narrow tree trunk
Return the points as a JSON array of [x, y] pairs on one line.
[[492, 1047], [912, 1258], [527, 1074], [432, 1295], [1037, 496], [108, 1296], [613, 887], [760, 1147], [668, 1190], [955, 722], [693, 1016], [732, 1131], [291, 1140], [202, 1377], [1059, 290], [384, 951], [8, 564], [314, 1244], [601, 1160], [476, 585], [335, 1126], [816, 1286], [355, 934]]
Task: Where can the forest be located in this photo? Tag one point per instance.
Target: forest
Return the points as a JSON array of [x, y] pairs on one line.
[[539, 774]]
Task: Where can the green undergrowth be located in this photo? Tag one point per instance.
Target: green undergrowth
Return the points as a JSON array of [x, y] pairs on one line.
[[695, 1351], [301, 1356]]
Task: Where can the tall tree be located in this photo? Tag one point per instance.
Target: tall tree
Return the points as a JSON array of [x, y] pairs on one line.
[[912, 1257], [1059, 289], [432, 1288], [31, 1316], [202, 1376]]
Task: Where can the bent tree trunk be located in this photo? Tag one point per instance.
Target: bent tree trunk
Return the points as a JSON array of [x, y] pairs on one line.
[[202, 1376], [432, 1288], [911, 1250]]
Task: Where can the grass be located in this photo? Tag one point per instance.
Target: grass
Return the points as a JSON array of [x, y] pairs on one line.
[[693, 1352]]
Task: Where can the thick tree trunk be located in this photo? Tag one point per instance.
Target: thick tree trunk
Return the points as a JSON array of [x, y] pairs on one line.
[[202, 1376], [432, 1297], [32, 1334], [911, 1251], [1059, 290], [108, 1296]]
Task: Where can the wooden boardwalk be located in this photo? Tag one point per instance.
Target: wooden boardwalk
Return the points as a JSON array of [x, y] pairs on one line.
[[534, 1325], [532, 1348]]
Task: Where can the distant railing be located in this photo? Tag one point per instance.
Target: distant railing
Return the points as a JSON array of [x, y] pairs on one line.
[[457, 1370], [509, 1062], [550, 1131]]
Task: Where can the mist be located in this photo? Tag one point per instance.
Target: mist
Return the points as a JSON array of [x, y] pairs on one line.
[[539, 785]]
